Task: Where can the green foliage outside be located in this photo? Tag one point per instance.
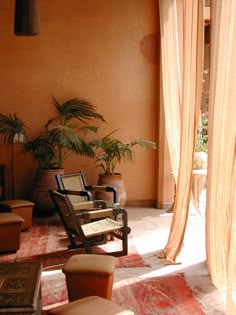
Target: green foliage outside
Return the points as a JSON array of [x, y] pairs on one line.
[[202, 136]]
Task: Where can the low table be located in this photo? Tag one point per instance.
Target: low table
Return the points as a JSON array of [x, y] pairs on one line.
[[20, 291]]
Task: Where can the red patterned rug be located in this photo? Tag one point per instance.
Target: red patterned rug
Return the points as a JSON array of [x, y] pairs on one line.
[[49, 245], [165, 295], [54, 292]]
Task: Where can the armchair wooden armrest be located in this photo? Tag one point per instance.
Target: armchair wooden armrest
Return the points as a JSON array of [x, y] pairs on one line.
[[104, 188]]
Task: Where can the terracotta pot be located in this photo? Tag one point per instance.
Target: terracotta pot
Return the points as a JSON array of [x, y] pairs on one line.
[[115, 181], [45, 180]]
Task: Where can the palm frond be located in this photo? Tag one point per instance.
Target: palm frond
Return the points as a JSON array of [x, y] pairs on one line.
[[144, 144], [86, 129], [65, 137], [10, 125], [77, 108], [112, 151], [42, 151]]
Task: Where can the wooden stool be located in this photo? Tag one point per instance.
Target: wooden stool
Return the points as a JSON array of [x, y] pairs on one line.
[[23, 208], [90, 305], [10, 227], [88, 274]]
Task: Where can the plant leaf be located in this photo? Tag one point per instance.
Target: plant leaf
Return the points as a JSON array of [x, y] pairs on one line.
[[10, 125]]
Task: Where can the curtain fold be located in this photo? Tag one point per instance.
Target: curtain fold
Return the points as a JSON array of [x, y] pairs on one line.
[[171, 78], [182, 51], [220, 208], [182, 68]]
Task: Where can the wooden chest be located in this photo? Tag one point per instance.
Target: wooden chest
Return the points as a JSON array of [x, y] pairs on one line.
[[20, 291]]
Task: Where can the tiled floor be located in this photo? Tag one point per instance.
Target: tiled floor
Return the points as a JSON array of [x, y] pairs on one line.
[[150, 230]]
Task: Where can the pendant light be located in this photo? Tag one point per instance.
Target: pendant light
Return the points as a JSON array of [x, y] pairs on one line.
[[26, 18]]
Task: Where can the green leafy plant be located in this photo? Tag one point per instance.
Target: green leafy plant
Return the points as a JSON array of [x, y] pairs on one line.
[[202, 135], [11, 127], [60, 135], [111, 151]]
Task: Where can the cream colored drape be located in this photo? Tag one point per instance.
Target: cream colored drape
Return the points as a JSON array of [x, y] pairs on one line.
[[182, 64], [181, 22], [221, 183]]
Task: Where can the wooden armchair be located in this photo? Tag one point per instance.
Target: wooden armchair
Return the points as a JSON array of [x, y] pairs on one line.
[[82, 234], [84, 200]]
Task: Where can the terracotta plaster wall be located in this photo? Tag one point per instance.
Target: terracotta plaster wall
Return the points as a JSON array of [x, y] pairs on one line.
[[106, 51]]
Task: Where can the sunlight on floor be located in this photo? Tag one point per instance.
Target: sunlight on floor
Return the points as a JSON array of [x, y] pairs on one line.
[[150, 231], [51, 272]]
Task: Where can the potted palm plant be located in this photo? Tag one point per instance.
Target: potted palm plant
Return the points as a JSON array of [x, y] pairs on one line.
[[61, 135], [109, 153]]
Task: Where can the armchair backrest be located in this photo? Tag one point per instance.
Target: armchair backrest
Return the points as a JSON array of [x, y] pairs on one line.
[[74, 181], [77, 182]]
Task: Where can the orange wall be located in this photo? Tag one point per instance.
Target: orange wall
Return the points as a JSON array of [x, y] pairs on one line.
[[106, 51]]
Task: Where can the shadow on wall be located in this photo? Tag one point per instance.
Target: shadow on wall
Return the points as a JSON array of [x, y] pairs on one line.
[[150, 48]]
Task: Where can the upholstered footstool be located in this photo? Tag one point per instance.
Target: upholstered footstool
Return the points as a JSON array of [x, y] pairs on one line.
[[10, 228], [90, 305], [22, 208], [89, 274]]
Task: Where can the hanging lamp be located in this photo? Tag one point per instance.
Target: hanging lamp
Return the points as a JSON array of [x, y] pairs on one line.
[[26, 18]]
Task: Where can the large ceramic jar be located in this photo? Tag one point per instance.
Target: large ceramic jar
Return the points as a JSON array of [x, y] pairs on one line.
[[115, 181], [44, 181]]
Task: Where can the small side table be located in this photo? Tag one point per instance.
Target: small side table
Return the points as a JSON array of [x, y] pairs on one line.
[[20, 290]]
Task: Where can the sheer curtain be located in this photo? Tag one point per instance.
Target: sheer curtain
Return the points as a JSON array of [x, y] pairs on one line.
[[181, 39], [182, 65], [221, 183]]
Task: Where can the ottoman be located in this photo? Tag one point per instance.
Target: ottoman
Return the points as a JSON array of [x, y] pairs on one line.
[[10, 228], [22, 208], [89, 274], [90, 305]]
